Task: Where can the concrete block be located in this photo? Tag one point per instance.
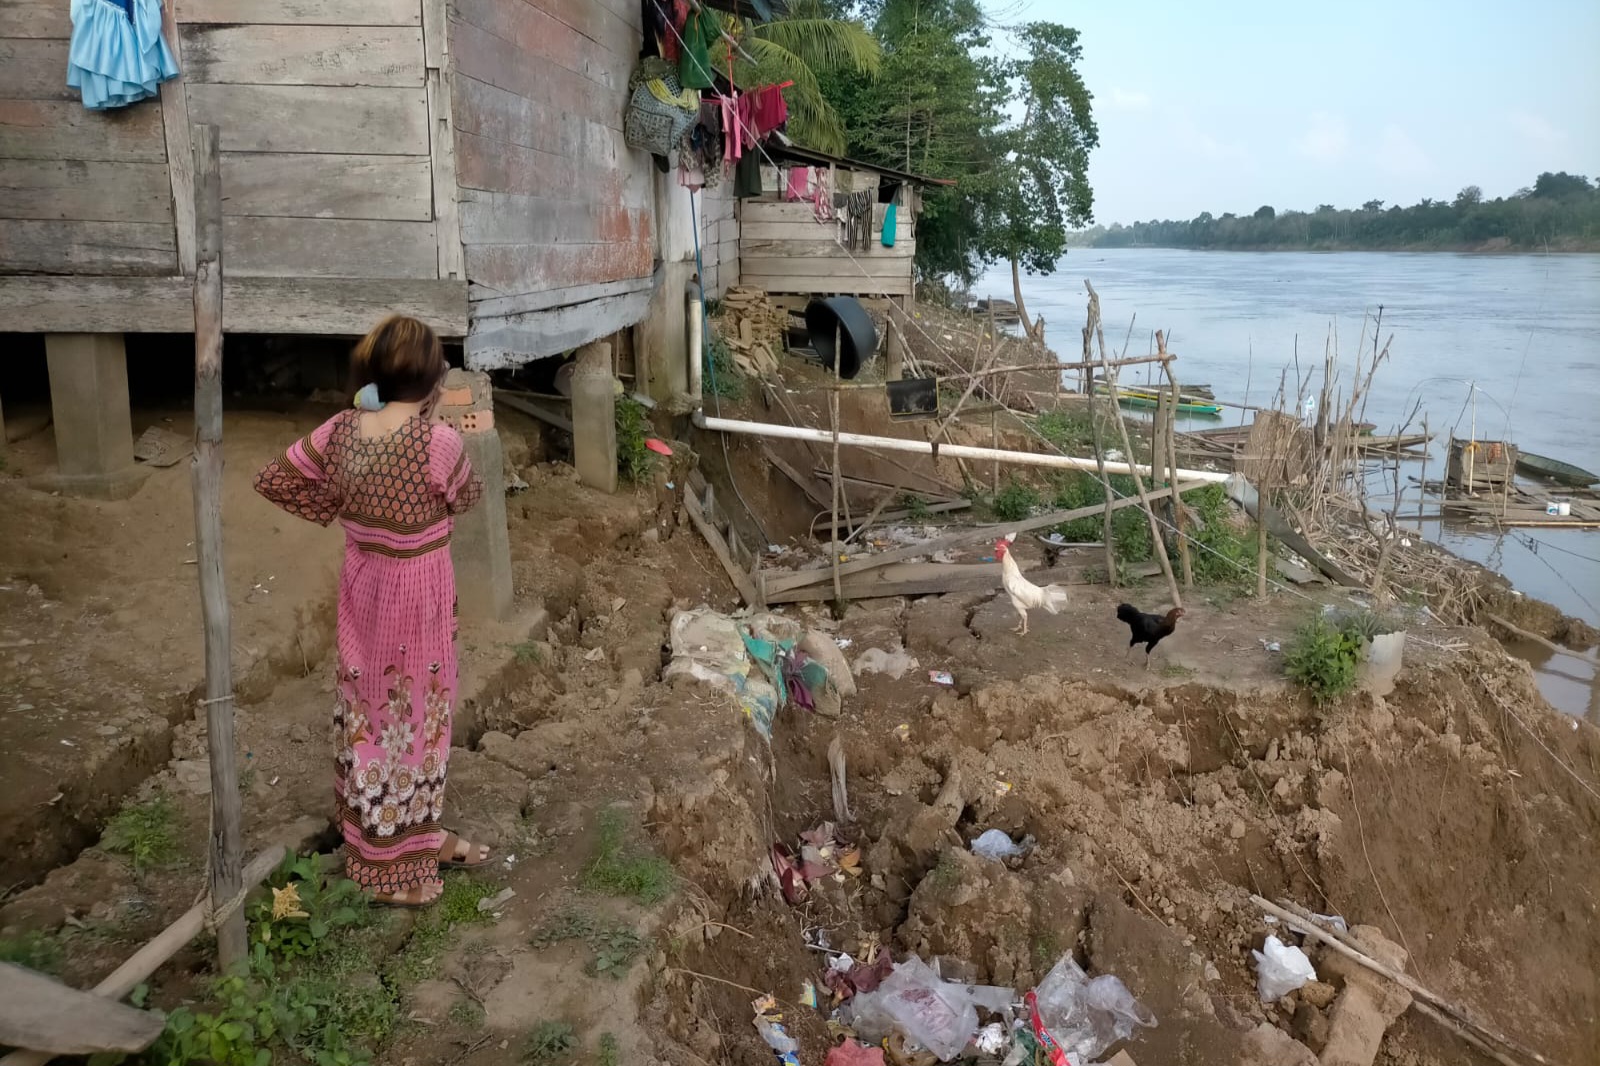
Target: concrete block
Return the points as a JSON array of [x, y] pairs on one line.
[[594, 418], [480, 546], [93, 423]]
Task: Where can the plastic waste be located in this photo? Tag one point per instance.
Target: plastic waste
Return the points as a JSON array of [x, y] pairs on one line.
[[851, 1053], [894, 663], [991, 1039], [931, 1012], [1280, 969], [997, 845], [1075, 1017]]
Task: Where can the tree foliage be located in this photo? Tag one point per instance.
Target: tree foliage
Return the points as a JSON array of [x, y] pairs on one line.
[[1009, 121], [1560, 210]]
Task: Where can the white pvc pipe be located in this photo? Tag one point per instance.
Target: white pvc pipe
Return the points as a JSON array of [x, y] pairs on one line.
[[922, 447], [696, 342]]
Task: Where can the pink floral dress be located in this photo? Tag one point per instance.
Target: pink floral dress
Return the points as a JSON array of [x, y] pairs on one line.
[[395, 496]]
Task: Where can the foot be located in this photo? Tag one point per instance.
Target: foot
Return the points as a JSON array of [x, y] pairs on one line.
[[415, 896], [458, 852]]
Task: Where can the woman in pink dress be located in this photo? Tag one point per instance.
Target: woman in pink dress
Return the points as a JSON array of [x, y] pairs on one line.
[[393, 477]]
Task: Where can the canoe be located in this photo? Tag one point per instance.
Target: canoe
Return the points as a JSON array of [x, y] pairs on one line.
[[1150, 400], [1547, 469]]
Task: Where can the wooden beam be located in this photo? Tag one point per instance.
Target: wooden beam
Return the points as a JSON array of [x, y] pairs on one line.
[[180, 146], [225, 861], [41, 1013], [533, 410], [783, 582], [327, 306], [144, 962], [806, 485], [719, 547]]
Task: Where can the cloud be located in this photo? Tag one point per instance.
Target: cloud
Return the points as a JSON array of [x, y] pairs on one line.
[[1536, 129], [1326, 141], [1129, 99], [1399, 154]]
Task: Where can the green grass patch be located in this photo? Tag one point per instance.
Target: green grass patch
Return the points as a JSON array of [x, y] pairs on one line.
[[550, 1044], [610, 1050], [633, 429], [613, 945], [719, 376], [1015, 501], [621, 869], [1071, 432], [37, 951], [146, 834]]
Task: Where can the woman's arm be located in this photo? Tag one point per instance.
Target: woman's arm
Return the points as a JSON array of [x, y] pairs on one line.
[[450, 471], [298, 480]]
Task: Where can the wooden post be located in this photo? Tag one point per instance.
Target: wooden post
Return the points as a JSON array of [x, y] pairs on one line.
[[226, 857], [833, 418], [1422, 476], [1093, 327], [1261, 529], [1178, 518]]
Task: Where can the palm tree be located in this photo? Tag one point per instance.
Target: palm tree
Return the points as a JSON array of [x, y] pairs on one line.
[[800, 46]]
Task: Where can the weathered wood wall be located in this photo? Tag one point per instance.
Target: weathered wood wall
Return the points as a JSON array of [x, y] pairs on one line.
[[79, 192], [784, 249], [556, 211], [338, 168], [719, 238]]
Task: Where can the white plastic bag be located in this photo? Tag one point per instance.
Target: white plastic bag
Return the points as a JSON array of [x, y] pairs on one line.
[[995, 844], [1084, 1016], [1280, 969]]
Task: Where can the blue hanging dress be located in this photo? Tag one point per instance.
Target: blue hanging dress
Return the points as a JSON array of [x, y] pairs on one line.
[[117, 55]]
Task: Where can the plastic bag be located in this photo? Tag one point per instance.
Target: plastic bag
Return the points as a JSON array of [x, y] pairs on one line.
[[1280, 969], [1077, 1018], [995, 844], [851, 1053], [933, 1013]]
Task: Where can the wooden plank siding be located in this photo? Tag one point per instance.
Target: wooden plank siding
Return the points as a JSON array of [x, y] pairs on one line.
[[784, 249], [556, 213], [79, 191]]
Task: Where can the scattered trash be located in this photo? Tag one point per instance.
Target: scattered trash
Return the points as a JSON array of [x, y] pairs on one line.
[[1280, 969], [997, 845], [595, 655], [769, 1023], [1075, 1018], [754, 657], [1002, 788], [903, 731], [514, 483], [843, 643], [493, 903], [851, 1053], [942, 677], [991, 1039], [1333, 920], [820, 856], [1270, 645], [658, 446], [808, 994], [893, 664], [846, 977], [930, 1012]]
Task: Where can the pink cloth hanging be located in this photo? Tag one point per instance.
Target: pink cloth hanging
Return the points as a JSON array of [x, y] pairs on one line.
[[799, 188], [732, 139]]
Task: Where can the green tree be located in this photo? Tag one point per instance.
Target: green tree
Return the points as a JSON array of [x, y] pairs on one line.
[[1265, 213], [1561, 186], [1468, 197], [1041, 185], [809, 44]]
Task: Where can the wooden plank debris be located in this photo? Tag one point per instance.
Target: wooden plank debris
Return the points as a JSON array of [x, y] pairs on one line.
[[719, 547], [45, 1015]]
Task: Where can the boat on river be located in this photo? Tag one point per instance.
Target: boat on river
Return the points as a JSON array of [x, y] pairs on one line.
[[1150, 399], [1547, 469]]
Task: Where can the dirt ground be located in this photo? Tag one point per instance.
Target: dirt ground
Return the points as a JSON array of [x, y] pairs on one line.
[[1457, 814]]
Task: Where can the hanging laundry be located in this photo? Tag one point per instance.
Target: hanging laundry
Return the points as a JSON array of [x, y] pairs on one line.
[[858, 225], [733, 138], [799, 185], [747, 176], [117, 55], [889, 223], [822, 197], [700, 31], [768, 109]]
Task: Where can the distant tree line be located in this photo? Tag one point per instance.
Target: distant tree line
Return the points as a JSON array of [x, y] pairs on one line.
[[1559, 211]]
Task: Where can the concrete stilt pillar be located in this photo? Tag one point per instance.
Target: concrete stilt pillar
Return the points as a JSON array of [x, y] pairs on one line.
[[480, 547], [594, 418], [93, 423]]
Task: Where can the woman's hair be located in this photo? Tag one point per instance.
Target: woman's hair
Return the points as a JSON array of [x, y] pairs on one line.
[[402, 357]]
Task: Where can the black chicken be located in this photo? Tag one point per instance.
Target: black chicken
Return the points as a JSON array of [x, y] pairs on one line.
[[1148, 629]]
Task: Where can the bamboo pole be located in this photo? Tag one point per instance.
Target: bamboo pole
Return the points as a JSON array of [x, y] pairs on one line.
[[1315, 931], [1156, 542], [1261, 530], [833, 420], [1422, 477], [1093, 325], [1179, 519], [144, 962], [226, 857]]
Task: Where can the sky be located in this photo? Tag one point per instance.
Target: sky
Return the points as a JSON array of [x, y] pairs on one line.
[[1227, 106]]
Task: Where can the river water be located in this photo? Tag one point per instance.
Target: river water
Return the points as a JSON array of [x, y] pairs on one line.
[[1508, 342]]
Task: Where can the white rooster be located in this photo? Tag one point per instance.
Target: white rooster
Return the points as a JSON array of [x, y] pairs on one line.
[[1024, 593]]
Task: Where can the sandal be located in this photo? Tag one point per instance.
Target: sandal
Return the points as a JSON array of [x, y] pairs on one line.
[[416, 896], [455, 851]]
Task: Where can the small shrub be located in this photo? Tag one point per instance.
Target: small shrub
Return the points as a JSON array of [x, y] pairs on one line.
[[1069, 432], [1323, 658], [306, 905], [549, 1043], [1015, 501], [35, 950], [144, 833], [720, 377], [610, 1050], [633, 428], [614, 945], [618, 870], [916, 507]]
